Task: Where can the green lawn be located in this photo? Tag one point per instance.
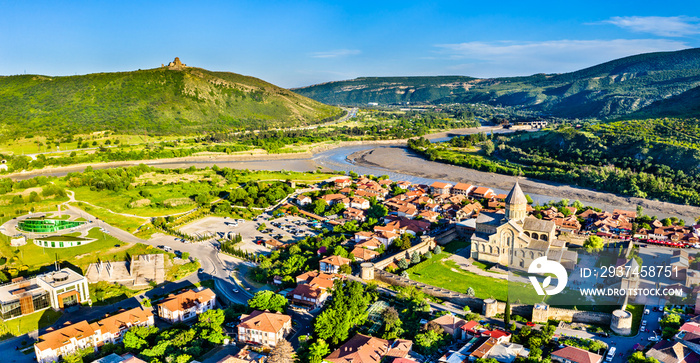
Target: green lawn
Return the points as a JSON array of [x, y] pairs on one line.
[[125, 223], [105, 293], [35, 257], [28, 323], [284, 175]]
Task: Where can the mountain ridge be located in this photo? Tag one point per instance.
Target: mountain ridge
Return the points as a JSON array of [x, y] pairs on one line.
[[611, 89]]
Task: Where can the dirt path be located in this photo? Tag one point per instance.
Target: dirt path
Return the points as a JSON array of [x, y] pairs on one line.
[[402, 160]]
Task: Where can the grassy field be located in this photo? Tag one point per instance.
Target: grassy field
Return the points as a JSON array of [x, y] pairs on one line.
[[28, 323], [126, 223], [438, 271], [34, 257], [105, 293], [284, 175]]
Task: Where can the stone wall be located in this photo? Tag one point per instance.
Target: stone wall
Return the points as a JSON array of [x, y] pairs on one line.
[[426, 244], [447, 236], [476, 304]]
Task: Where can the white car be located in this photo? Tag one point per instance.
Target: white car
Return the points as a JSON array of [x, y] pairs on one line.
[[653, 338]]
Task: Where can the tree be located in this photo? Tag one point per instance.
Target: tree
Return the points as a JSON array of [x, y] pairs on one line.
[[405, 275], [318, 350], [437, 250], [345, 269], [488, 147], [429, 342], [262, 227], [210, 326], [377, 211], [415, 258], [282, 353], [593, 243], [528, 199], [403, 264], [268, 300], [428, 255], [506, 314], [185, 255], [638, 357], [470, 291], [640, 211], [319, 206]]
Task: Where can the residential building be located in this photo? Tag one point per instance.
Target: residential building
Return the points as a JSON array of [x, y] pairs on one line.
[[303, 200], [186, 305], [575, 355], [124, 358], [308, 295], [273, 244], [354, 214], [343, 183], [67, 340], [331, 264], [264, 328], [57, 290], [359, 203], [450, 324], [112, 328], [672, 352], [483, 192], [440, 188], [366, 349], [462, 189], [508, 352], [364, 254]]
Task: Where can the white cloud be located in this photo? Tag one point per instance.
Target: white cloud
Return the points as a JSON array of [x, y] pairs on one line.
[[337, 53], [670, 26], [510, 58]]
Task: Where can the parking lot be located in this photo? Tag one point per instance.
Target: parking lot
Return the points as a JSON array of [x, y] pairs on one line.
[[284, 229]]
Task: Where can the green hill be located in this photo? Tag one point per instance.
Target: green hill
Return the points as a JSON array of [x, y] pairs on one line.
[[158, 101], [609, 90], [686, 104]]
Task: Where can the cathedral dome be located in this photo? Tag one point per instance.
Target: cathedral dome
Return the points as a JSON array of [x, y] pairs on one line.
[[516, 196]]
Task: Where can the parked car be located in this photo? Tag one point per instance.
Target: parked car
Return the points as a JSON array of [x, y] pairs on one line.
[[235, 290], [529, 323], [646, 311]]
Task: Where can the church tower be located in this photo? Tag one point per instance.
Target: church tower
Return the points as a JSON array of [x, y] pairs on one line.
[[516, 204]]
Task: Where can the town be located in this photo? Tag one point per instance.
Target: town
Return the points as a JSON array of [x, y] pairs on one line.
[[363, 269]]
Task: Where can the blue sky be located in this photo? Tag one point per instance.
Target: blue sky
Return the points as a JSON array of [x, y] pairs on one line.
[[298, 43]]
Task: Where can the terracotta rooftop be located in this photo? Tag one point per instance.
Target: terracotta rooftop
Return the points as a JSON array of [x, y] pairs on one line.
[[577, 355], [62, 336], [112, 324], [336, 260], [360, 349], [187, 299], [264, 321]]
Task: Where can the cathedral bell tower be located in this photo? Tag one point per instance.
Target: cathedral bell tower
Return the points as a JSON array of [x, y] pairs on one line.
[[516, 204]]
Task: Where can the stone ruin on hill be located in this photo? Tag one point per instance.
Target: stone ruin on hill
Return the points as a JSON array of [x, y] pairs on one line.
[[175, 64]]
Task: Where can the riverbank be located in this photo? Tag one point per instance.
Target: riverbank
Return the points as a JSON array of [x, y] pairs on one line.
[[404, 161], [255, 160]]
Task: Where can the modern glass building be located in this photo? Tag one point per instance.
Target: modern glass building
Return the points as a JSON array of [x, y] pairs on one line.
[[43, 225]]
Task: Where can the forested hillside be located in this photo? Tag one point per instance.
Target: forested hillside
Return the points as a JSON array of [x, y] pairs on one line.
[[155, 101], [609, 90]]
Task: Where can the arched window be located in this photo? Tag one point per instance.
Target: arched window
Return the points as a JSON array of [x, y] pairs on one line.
[[527, 234], [544, 237]]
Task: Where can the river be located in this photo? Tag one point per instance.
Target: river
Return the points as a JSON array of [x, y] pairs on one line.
[[399, 163]]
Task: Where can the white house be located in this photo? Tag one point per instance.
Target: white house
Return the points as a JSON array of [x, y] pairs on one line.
[[186, 305], [331, 264], [263, 328]]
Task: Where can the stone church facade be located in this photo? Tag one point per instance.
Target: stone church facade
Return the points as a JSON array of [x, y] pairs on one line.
[[514, 239]]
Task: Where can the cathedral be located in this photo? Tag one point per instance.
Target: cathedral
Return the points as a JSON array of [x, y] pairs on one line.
[[515, 239]]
